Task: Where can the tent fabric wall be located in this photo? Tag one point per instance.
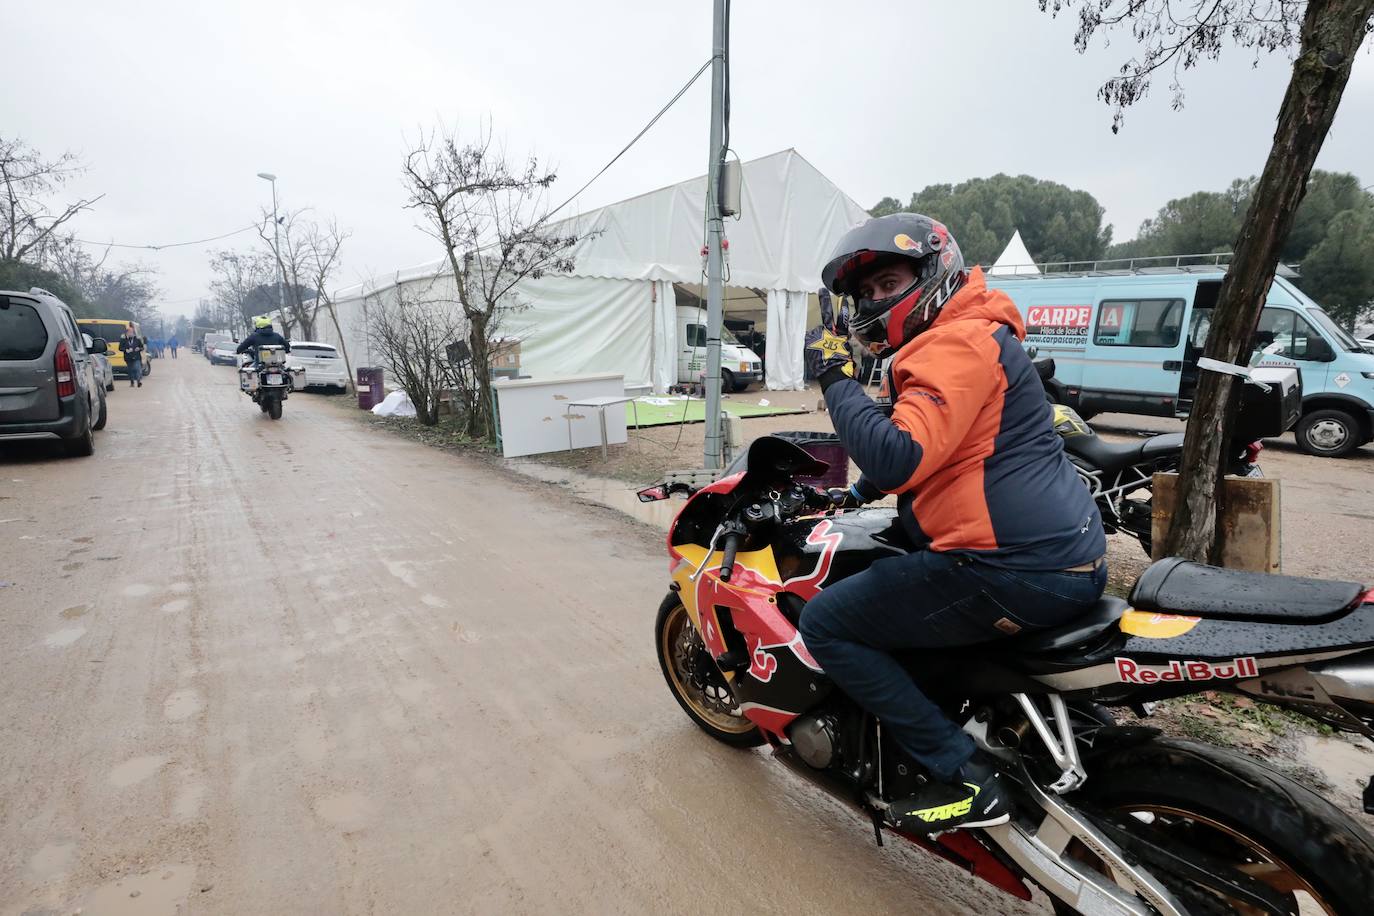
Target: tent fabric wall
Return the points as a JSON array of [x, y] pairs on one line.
[[784, 364], [665, 345], [570, 325]]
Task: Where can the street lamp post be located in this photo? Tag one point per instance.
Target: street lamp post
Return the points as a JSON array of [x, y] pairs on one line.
[[276, 246]]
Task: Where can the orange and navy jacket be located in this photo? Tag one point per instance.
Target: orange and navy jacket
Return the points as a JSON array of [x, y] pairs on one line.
[[970, 448]]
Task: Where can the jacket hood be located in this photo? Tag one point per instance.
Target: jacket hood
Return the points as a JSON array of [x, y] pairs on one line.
[[974, 301]]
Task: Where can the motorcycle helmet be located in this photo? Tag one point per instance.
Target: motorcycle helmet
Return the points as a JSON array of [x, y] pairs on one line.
[[262, 324], [885, 325]]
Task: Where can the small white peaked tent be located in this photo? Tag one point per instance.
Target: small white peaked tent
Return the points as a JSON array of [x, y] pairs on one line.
[[1014, 259], [617, 310]]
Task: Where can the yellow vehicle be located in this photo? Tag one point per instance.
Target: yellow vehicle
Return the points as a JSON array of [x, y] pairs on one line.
[[111, 329]]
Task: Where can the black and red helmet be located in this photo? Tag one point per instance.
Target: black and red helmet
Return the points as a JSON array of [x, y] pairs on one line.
[[888, 324]]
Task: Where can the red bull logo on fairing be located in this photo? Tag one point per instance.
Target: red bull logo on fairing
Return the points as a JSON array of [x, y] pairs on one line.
[[1129, 671]]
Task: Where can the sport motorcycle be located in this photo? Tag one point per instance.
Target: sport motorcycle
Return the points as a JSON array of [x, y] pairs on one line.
[[1111, 816]]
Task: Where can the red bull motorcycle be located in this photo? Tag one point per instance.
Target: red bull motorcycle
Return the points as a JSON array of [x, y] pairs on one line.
[[1110, 817]]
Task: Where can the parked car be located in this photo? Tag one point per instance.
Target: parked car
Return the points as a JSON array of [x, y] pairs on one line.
[[104, 372], [48, 383], [219, 350], [1128, 341], [110, 330], [323, 366]]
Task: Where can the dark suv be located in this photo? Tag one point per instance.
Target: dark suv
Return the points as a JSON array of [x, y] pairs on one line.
[[48, 381]]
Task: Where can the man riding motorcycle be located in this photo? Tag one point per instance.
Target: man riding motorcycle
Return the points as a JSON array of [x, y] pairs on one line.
[[1008, 540], [262, 336]]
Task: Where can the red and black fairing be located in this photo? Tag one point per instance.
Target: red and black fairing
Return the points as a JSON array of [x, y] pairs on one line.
[[812, 554]]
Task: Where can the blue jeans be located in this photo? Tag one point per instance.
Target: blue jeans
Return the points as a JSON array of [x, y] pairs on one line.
[[135, 367], [927, 600]]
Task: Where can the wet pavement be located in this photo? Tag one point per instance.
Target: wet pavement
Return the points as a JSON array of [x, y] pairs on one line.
[[306, 667]]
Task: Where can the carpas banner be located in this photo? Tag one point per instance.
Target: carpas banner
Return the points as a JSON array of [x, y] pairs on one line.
[[1058, 326]]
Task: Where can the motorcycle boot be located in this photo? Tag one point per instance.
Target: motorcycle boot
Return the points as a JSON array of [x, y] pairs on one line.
[[977, 799]]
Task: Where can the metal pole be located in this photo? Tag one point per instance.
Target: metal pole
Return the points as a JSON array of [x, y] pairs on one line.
[[281, 268], [715, 231]]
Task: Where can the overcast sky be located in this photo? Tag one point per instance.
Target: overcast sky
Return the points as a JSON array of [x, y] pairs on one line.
[[175, 106]]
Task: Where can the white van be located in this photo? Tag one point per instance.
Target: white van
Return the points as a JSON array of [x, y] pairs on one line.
[[739, 365]]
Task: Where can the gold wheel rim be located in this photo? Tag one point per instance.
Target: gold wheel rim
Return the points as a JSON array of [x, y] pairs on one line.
[[1264, 865], [709, 698]]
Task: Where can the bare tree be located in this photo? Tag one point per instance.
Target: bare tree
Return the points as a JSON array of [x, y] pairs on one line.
[[123, 291], [239, 280], [27, 181], [1176, 35], [492, 220], [412, 332], [322, 246], [307, 255]]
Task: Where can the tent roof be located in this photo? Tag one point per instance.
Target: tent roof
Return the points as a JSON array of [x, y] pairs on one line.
[[1014, 259], [790, 216]]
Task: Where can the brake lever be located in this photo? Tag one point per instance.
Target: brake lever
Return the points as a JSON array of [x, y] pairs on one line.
[[710, 550]]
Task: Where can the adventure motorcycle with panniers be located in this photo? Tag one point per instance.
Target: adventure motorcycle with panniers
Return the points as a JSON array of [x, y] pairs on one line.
[[267, 379], [1111, 817]]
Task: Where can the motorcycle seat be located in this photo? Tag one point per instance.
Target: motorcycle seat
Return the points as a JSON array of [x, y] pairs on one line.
[[1100, 618], [1177, 586], [1112, 457]]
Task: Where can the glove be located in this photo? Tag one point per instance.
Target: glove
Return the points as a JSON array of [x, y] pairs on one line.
[[835, 362], [844, 497]]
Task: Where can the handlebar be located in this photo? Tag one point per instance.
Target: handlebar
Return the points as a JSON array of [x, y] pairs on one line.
[[727, 565]]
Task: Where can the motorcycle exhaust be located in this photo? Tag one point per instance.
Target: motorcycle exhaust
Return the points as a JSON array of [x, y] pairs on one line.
[[1349, 682]]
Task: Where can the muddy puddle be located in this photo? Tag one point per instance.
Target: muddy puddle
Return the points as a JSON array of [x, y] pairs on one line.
[[615, 494]]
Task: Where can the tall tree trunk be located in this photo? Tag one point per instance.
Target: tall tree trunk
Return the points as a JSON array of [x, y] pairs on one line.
[[481, 423], [1332, 32]]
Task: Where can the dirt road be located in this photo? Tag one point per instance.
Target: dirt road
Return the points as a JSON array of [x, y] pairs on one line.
[[304, 667]]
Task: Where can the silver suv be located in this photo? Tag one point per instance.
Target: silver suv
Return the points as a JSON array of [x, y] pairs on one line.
[[48, 383]]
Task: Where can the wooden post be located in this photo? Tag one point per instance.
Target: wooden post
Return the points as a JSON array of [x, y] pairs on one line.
[[1247, 521]]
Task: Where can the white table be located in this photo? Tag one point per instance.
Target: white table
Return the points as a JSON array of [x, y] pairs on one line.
[[600, 402]]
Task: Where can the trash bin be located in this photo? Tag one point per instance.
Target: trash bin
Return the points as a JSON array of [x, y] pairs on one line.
[[370, 390], [823, 447]]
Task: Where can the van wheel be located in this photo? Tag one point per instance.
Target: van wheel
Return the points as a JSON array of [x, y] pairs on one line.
[[82, 447], [1329, 433], [103, 416], [727, 381]]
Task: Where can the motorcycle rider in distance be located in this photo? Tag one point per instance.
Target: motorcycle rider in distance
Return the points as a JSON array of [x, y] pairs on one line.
[[262, 336], [1008, 540]]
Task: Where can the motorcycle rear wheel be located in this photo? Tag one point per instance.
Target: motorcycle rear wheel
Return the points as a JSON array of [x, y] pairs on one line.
[[695, 681], [274, 409], [1233, 808]]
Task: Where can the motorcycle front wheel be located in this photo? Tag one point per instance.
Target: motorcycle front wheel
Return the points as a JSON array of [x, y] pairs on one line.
[[1230, 809], [695, 681]]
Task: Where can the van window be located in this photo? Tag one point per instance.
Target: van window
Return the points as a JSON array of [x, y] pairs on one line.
[[1343, 337], [22, 334], [696, 336], [1139, 323], [1289, 328], [107, 331]]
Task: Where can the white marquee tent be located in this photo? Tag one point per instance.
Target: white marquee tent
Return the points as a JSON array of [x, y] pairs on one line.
[[1014, 259], [616, 312]]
